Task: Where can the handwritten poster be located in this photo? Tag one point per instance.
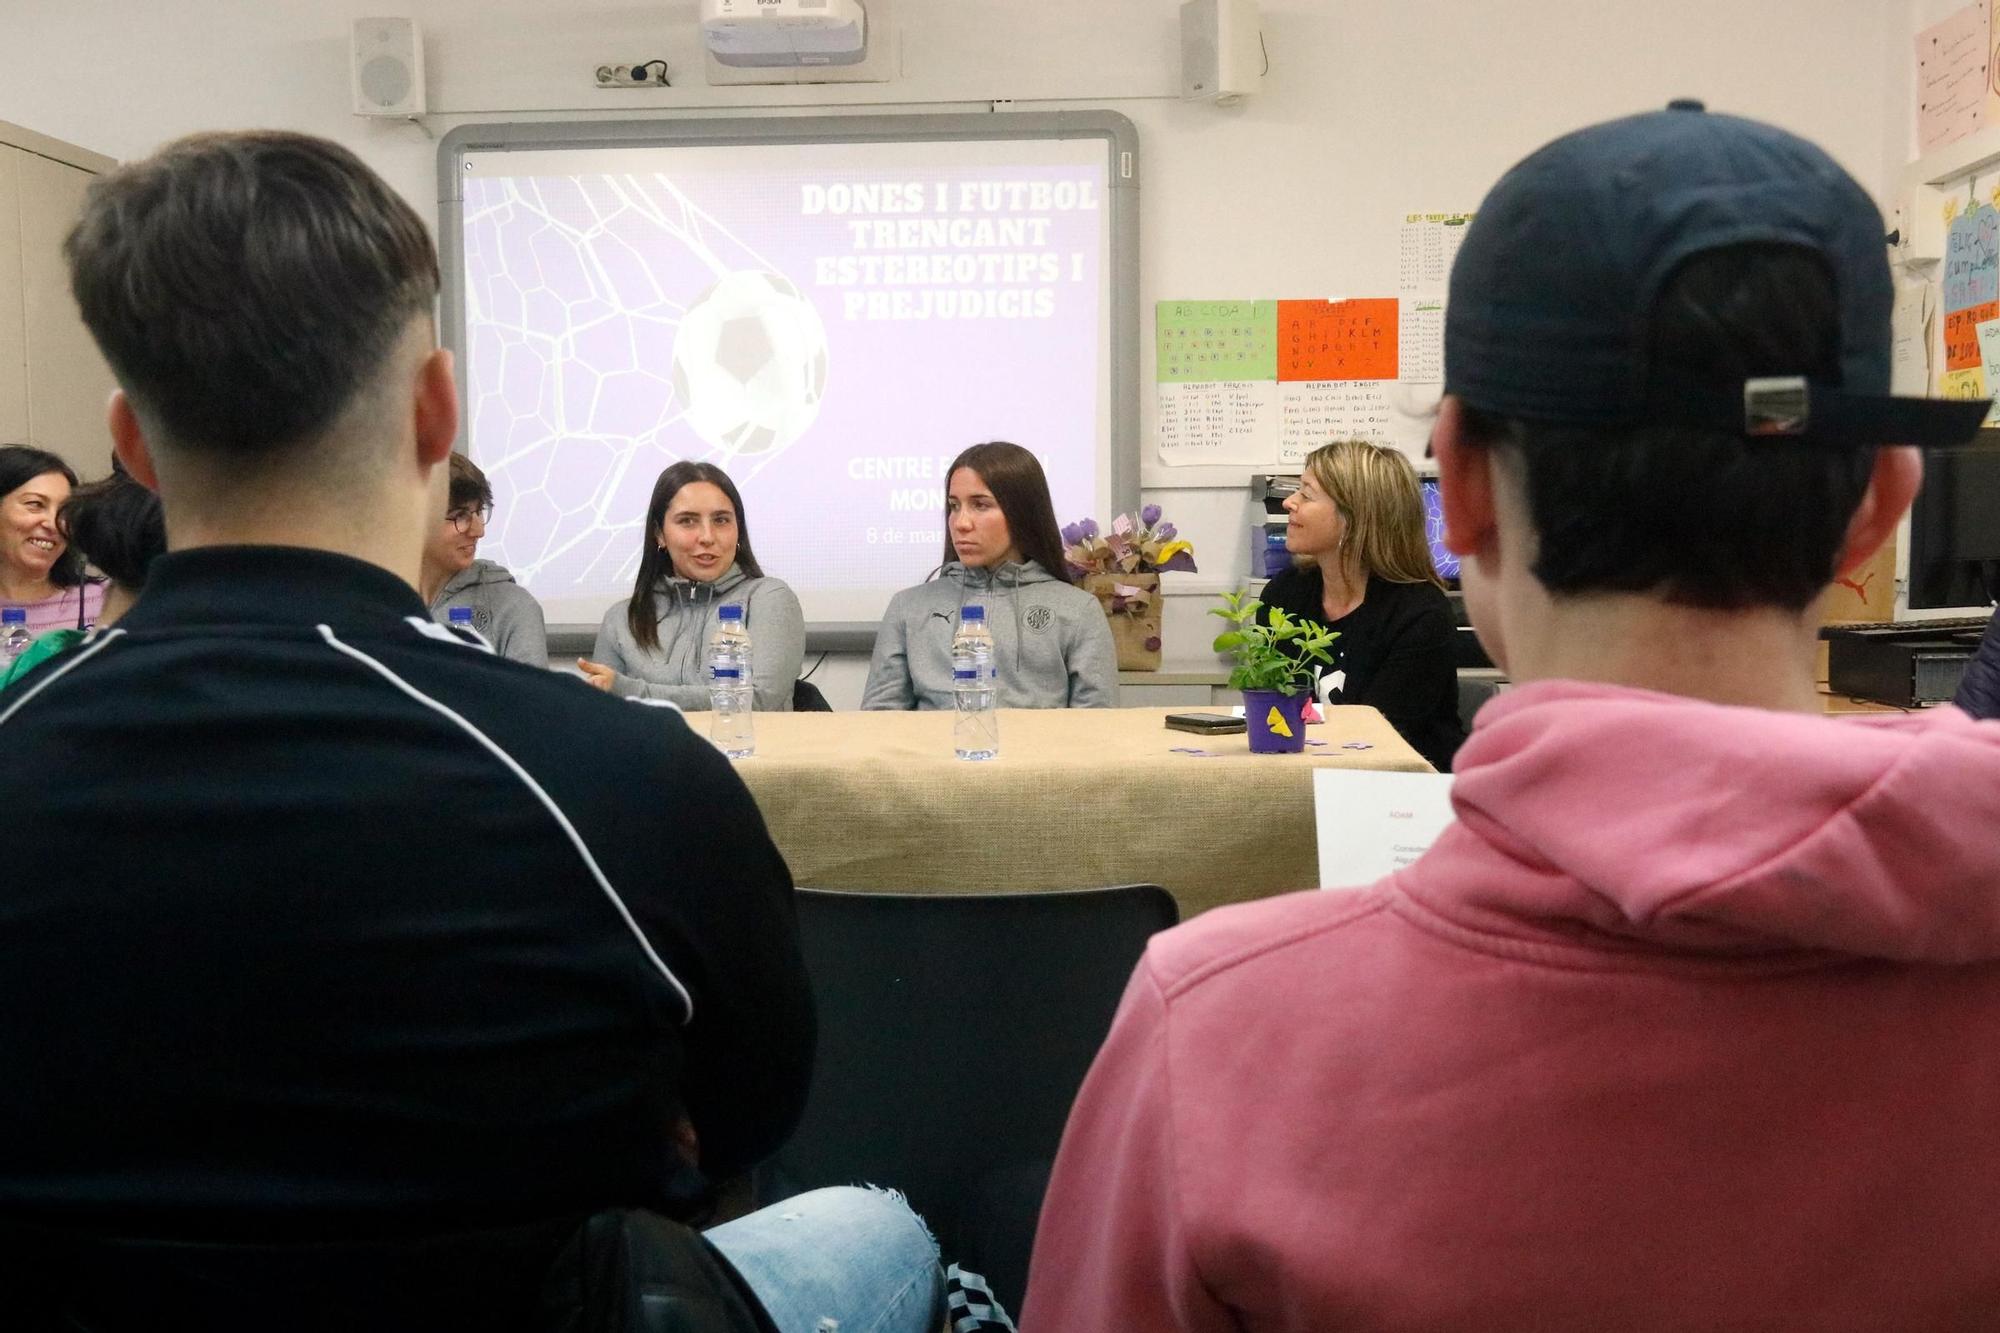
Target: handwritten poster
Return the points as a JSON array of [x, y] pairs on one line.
[[1314, 412], [1952, 77], [1971, 283], [1989, 360], [1910, 333], [1216, 340], [1229, 421], [1963, 384], [1337, 340], [1427, 246], [1420, 340], [1217, 371]]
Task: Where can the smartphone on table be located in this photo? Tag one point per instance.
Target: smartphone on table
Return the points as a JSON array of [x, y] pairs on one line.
[[1205, 724]]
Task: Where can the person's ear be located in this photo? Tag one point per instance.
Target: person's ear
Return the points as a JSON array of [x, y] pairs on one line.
[[1465, 482], [436, 408], [1892, 486], [128, 440]]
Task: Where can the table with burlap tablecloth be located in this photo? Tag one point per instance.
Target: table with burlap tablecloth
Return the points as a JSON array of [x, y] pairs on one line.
[[1076, 798]]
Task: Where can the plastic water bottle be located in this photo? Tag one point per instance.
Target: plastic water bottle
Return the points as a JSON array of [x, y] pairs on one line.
[[459, 617], [975, 687], [729, 685], [14, 636]]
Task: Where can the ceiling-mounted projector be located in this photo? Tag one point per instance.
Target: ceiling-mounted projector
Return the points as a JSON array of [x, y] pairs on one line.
[[785, 32]]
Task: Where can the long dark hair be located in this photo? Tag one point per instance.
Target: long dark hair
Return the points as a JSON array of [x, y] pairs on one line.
[[21, 464], [1022, 490], [654, 562]]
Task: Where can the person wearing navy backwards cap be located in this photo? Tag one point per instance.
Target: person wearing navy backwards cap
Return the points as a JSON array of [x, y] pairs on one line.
[[276, 1054], [1687, 1021]]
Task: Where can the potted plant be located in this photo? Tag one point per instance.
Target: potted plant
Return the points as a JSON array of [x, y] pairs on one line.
[[1274, 669], [1122, 569]]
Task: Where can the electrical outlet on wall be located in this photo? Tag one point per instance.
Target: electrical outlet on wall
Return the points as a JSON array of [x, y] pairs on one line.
[[650, 74]]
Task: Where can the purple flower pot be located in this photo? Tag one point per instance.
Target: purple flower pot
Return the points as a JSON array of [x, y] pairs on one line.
[[1267, 736]]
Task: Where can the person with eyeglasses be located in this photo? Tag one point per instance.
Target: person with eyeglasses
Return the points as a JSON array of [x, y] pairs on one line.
[[502, 610]]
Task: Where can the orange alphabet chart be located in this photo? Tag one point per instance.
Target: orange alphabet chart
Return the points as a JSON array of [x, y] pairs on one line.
[[1337, 340]]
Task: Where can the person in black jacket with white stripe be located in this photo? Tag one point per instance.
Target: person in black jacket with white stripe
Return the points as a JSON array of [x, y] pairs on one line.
[[260, 996]]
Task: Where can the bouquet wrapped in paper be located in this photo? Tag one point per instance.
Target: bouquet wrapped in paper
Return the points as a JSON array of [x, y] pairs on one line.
[[1121, 567]]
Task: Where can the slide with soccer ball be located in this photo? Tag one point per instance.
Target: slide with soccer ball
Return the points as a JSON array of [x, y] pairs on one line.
[[827, 310]]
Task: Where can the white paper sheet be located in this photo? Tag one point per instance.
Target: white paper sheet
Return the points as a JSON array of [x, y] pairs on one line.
[[1427, 246], [1316, 412], [1420, 340], [1910, 345], [1370, 824], [1951, 77], [1221, 421]]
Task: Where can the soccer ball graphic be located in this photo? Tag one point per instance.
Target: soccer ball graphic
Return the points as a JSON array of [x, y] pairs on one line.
[[750, 364]]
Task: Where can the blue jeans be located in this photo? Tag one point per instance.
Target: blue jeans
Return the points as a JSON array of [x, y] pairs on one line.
[[857, 1260]]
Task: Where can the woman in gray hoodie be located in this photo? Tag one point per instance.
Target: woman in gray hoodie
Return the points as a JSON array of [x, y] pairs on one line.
[[1051, 643], [695, 561]]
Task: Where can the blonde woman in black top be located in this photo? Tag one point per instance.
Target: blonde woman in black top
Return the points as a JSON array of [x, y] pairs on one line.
[[1361, 566]]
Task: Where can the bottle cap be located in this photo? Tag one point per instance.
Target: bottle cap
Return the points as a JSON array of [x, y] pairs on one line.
[[730, 612], [971, 612], [14, 615]]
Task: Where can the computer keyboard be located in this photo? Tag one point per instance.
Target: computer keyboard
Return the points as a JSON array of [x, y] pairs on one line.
[[1949, 625]]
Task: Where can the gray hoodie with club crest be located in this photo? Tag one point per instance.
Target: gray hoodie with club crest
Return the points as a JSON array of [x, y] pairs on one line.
[[502, 610], [1051, 644], [686, 613]]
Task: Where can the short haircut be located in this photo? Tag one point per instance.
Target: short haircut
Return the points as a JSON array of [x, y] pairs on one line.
[[118, 525], [21, 464], [1702, 518], [469, 487], [1021, 489], [1375, 489], [245, 287], [654, 561]]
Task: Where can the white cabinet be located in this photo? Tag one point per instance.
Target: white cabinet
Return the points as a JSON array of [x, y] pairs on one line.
[[53, 382]]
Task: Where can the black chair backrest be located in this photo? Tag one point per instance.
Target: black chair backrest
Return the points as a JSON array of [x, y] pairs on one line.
[[618, 1271], [806, 698], [954, 1033]]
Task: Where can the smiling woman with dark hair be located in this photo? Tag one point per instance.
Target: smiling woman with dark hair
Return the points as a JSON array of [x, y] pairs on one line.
[[1002, 549], [696, 559], [39, 573], [116, 524]]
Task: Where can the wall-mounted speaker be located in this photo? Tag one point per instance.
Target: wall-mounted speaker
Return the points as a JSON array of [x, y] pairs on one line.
[[1222, 50], [388, 67]]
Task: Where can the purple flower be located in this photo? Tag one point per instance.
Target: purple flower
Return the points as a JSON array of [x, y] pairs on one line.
[[1072, 534], [1087, 528], [1149, 515], [1166, 532]]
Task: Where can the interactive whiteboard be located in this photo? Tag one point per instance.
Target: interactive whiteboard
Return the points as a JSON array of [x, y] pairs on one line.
[[828, 308]]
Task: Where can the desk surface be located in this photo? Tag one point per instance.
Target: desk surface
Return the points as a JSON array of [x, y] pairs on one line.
[[1076, 798]]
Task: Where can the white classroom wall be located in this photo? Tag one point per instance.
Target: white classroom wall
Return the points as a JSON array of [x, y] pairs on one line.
[[1371, 108]]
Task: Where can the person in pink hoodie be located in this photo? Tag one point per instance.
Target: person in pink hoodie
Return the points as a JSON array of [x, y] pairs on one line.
[[1692, 1018]]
